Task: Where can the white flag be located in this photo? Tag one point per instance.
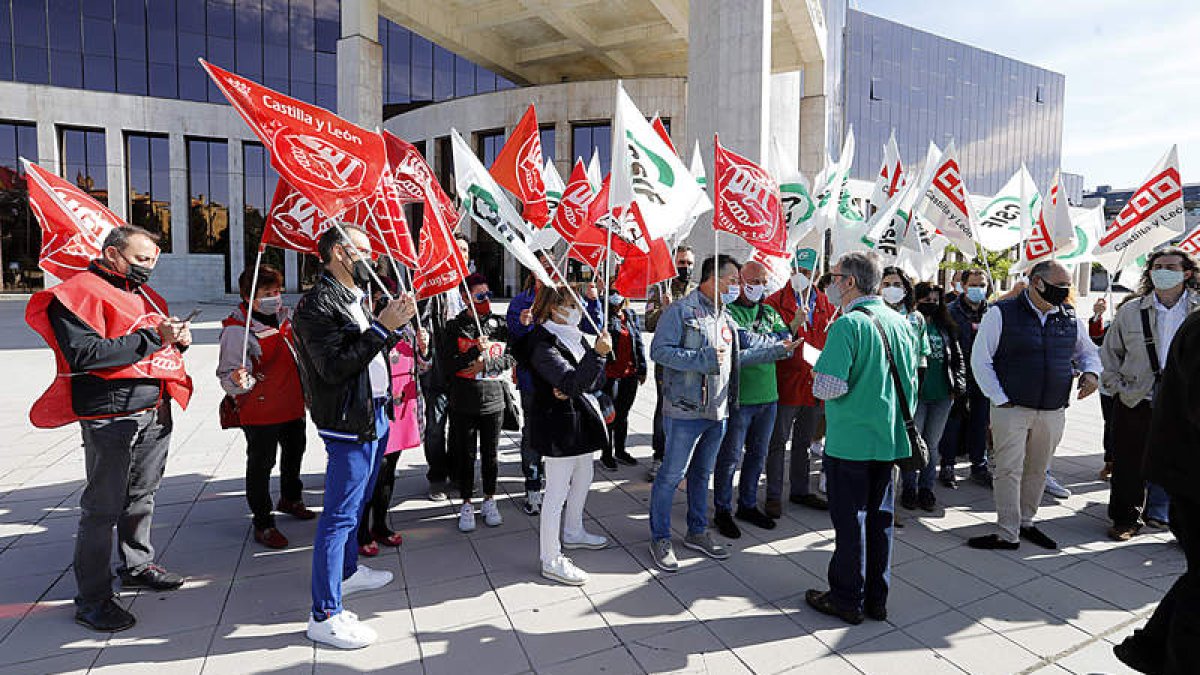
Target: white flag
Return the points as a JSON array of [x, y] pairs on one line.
[[594, 175], [891, 174], [833, 184], [702, 205], [646, 170], [998, 223], [489, 207], [554, 187], [799, 207], [1089, 226], [889, 228], [1153, 215], [945, 203]]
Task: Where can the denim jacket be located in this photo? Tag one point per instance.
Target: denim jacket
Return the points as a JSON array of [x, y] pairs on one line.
[[696, 384]]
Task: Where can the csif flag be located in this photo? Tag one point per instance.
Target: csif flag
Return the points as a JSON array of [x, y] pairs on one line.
[[747, 202], [518, 169], [661, 130], [73, 224], [334, 163], [554, 189], [1051, 231], [795, 201], [998, 225], [1153, 215]]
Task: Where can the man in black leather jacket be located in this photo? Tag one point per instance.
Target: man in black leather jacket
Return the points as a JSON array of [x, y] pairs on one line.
[[347, 383]]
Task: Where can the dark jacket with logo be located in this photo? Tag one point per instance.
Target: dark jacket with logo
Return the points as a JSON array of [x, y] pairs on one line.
[[334, 354], [459, 347], [1034, 361]]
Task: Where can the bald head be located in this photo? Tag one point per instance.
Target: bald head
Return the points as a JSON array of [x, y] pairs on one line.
[[754, 282]]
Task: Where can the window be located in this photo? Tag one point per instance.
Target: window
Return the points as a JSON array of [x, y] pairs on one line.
[[1040, 95], [488, 145], [445, 165], [588, 137], [83, 161], [22, 240], [208, 199], [258, 190], [546, 136], [148, 162]]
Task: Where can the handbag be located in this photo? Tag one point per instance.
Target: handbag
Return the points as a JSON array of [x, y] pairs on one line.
[[919, 456], [230, 415], [512, 411]]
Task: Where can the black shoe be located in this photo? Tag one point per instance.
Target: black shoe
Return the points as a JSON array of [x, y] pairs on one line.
[[153, 577], [926, 500], [755, 517], [820, 601], [106, 617], [992, 541], [908, 498], [877, 613], [1136, 658], [947, 478], [725, 525], [1038, 538], [811, 500], [983, 478], [626, 459], [608, 462]]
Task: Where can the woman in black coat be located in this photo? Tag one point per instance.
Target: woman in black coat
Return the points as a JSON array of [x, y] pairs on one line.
[[566, 425], [626, 370]]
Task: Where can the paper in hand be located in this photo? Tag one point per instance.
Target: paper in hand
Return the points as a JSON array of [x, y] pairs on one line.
[[810, 354]]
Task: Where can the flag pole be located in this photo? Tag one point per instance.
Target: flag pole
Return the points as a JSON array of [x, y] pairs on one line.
[[250, 303], [471, 304], [607, 268], [578, 301], [371, 270]]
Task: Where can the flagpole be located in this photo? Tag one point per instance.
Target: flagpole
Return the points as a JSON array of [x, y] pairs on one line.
[[579, 302], [250, 303], [471, 304], [607, 269], [370, 270]]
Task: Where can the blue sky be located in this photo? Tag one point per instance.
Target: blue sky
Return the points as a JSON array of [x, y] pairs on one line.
[[1132, 70]]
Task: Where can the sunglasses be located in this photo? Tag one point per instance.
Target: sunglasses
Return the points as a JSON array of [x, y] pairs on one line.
[[482, 297]]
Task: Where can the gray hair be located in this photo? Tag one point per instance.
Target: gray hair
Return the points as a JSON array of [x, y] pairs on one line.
[[119, 237], [865, 269], [1044, 267]]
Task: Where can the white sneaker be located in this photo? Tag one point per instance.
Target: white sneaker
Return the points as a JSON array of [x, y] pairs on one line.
[[342, 630], [589, 541], [821, 483], [365, 579], [562, 570], [1056, 489], [491, 514], [533, 502], [466, 518], [817, 449]]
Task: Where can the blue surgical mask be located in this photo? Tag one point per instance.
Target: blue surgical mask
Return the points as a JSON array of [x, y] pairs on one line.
[[1164, 279], [615, 298], [976, 294], [270, 304], [732, 294]]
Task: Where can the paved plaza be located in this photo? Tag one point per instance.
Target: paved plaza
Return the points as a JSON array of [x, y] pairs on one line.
[[476, 604]]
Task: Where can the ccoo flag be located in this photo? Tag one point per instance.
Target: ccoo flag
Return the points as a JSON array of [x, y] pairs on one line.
[[747, 202], [945, 202], [1154, 214]]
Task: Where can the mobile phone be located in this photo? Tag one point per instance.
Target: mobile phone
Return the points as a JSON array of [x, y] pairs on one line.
[[195, 313]]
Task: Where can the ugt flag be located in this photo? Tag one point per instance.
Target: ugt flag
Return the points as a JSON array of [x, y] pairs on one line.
[[572, 210], [441, 266], [73, 224], [1153, 214], [334, 163], [296, 224], [747, 202], [382, 216], [518, 169]]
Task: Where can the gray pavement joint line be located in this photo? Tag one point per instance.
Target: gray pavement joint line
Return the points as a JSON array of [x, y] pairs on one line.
[[499, 600], [228, 591], [1093, 639], [34, 604]]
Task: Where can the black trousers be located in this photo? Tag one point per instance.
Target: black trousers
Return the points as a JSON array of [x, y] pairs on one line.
[[471, 435], [439, 461], [1106, 406], [622, 392], [373, 519], [1130, 427], [658, 441], [1173, 632], [261, 441]]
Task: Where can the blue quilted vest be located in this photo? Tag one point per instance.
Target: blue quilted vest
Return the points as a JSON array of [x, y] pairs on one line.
[[1032, 361]]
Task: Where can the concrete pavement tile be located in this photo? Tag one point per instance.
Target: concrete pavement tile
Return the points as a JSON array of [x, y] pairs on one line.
[[766, 640], [439, 607], [73, 662], [439, 563], [941, 580], [771, 575], [1025, 624], [898, 653], [559, 632], [908, 604], [515, 551], [996, 569], [831, 664], [24, 561], [1095, 658], [521, 591], [711, 593], [272, 647], [832, 632], [630, 529], [277, 595], [198, 603], [638, 612], [971, 646], [181, 652], [460, 650], [47, 630], [1081, 609], [615, 660], [693, 649], [611, 568], [396, 656]]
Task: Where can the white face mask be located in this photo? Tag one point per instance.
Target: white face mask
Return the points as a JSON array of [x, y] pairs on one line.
[[893, 295], [570, 317], [754, 292], [800, 282], [732, 294], [834, 292], [270, 304]]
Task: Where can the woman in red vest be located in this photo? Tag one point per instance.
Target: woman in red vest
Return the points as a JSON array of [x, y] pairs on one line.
[[268, 400]]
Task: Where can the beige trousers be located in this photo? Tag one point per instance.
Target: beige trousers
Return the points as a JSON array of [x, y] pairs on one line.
[[1023, 443]]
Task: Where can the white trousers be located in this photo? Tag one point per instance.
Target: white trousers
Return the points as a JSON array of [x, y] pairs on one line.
[[1023, 443], [568, 480]]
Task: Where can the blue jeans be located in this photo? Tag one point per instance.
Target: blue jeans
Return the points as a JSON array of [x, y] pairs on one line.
[[749, 427], [1158, 503], [971, 430], [861, 508], [691, 446], [930, 420], [350, 472]]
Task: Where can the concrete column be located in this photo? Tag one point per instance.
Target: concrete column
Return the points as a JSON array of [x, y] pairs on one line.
[[47, 146], [237, 212], [291, 271], [814, 119], [729, 67], [180, 203], [563, 161], [114, 164], [360, 64], [786, 93]]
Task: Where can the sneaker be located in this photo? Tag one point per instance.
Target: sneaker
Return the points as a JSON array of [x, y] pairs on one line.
[[153, 577], [1156, 524], [926, 500], [589, 541], [993, 542], [491, 514], [820, 601], [437, 492], [562, 570], [655, 465], [295, 509], [626, 459], [663, 555], [1122, 532], [1056, 489], [533, 502], [811, 500], [755, 517], [983, 478], [723, 520], [466, 518], [608, 462], [271, 538], [365, 579], [106, 617], [342, 630], [703, 543], [1106, 472], [773, 508], [1038, 538], [947, 478], [908, 498]]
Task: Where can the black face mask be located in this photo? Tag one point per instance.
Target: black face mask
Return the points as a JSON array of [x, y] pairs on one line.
[[138, 275], [1055, 295], [684, 274], [927, 308], [360, 272]]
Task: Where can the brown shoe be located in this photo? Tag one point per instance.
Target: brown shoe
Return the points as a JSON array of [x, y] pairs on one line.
[[773, 508], [271, 538], [1122, 532], [296, 509]]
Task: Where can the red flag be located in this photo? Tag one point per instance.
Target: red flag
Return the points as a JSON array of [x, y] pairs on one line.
[[382, 216], [592, 240], [662, 133], [73, 224], [640, 269], [747, 202], [573, 209], [414, 177], [293, 222], [518, 169], [334, 163], [441, 266]]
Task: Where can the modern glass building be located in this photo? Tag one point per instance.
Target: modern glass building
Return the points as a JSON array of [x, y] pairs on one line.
[[998, 111]]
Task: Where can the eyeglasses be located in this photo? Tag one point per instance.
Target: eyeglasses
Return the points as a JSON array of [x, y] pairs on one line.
[[482, 297]]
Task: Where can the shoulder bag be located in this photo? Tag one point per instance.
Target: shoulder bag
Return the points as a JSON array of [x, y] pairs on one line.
[[919, 456]]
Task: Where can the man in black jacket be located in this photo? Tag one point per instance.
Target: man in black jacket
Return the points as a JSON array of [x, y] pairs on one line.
[[347, 382], [1169, 643], [968, 424]]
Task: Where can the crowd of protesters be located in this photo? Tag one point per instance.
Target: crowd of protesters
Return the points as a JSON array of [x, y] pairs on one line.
[[859, 371]]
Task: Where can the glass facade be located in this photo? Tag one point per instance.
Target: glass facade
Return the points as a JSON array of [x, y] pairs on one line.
[[20, 235], [258, 188], [1000, 112], [586, 136], [546, 136], [208, 199], [488, 145], [83, 161], [148, 167], [416, 70]]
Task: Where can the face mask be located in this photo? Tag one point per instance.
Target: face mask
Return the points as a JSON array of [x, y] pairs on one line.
[[1055, 295], [754, 292], [615, 299], [270, 304], [483, 308], [684, 274], [927, 308], [360, 272], [834, 293], [800, 282], [138, 275], [571, 317], [976, 294], [893, 295], [958, 287], [1164, 279], [732, 294], [471, 266]]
